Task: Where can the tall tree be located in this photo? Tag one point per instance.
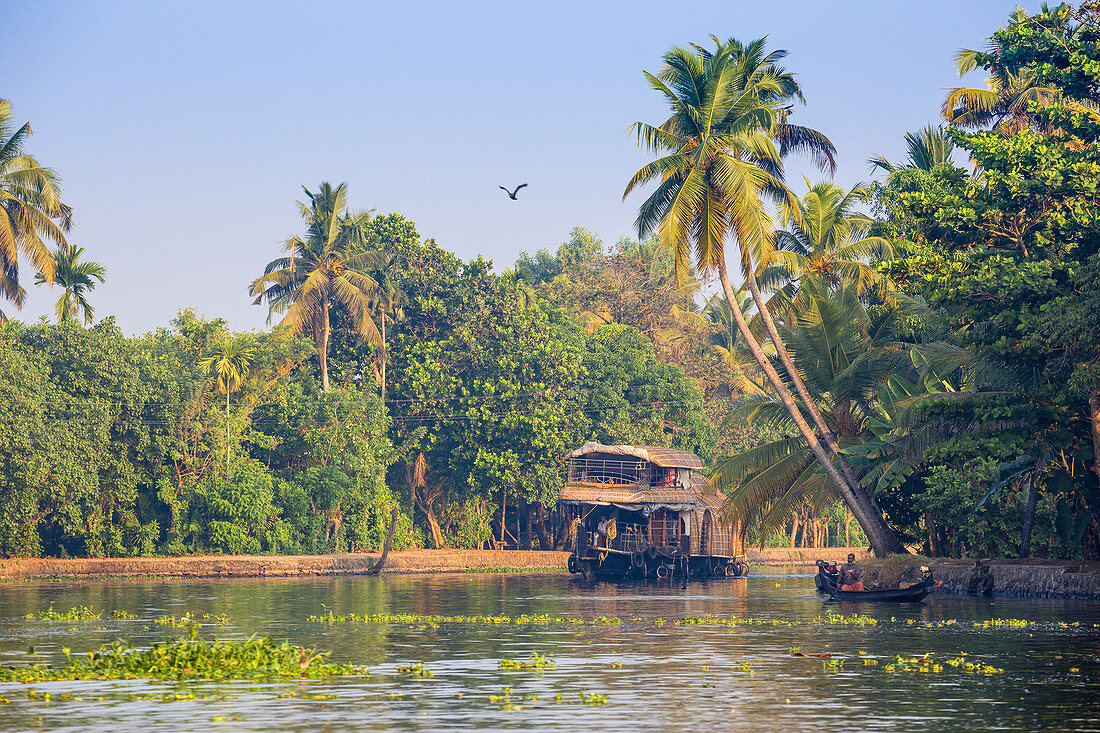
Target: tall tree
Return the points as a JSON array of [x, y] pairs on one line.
[[229, 362], [718, 159], [30, 202], [328, 266], [828, 239], [75, 278]]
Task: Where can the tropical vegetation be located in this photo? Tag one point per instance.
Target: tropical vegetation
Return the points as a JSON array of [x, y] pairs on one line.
[[911, 362]]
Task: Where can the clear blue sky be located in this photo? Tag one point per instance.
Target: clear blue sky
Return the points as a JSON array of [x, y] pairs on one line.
[[183, 131]]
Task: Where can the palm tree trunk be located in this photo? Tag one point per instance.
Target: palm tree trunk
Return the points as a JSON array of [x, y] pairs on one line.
[[384, 355], [800, 387], [883, 542], [227, 433], [322, 348], [1029, 516]]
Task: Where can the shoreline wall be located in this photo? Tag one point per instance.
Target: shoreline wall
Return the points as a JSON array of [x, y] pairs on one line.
[[274, 566], [1023, 578]]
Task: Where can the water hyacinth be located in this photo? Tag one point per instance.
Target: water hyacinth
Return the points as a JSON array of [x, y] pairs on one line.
[[433, 621], [416, 670], [536, 661], [76, 613], [188, 658]]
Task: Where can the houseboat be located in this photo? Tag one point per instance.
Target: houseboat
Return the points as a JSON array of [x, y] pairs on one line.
[[636, 511]]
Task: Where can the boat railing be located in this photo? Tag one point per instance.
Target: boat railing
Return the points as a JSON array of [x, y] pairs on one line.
[[632, 472]]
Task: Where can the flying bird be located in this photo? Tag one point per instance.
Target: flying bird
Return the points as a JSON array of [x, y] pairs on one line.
[[512, 194]]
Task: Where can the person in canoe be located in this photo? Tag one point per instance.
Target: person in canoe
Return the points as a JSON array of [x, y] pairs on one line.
[[850, 575]]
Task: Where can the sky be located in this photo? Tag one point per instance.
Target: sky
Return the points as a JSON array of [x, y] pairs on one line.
[[184, 132]]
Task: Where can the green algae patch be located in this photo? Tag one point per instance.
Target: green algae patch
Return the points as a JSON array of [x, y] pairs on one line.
[[189, 658]]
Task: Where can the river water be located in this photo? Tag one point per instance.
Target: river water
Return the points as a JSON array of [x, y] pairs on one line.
[[655, 671]]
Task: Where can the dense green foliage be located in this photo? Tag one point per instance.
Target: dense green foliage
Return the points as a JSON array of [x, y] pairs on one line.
[[1007, 255], [941, 365]]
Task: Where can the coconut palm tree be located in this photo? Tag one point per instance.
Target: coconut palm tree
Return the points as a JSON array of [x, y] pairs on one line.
[[388, 299], [718, 158], [229, 362], [844, 358], [30, 202], [328, 266], [926, 149], [1013, 84], [727, 343], [75, 278], [827, 239]]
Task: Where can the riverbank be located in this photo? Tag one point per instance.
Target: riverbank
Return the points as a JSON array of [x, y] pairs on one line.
[[248, 566], [401, 561], [1023, 577]]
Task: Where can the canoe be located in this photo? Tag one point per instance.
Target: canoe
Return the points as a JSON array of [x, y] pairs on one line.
[[912, 594]]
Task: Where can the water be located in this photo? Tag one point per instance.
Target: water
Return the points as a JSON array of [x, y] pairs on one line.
[[672, 676]]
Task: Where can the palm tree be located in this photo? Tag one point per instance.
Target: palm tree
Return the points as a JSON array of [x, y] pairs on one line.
[[30, 201], [727, 343], [74, 277], [1013, 83], [328, 266], [844, 358], [926, 150], [229, 362], [388, 299], [718, 158], [827, 239]]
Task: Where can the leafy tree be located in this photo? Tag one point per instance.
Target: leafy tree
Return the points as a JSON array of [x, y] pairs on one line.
[[74, 277], [1007, 256], [30, 198]]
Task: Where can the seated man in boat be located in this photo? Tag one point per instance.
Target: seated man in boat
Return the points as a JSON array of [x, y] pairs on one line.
[[850, 574]]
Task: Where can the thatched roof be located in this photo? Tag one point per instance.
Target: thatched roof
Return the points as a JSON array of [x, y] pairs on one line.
[[664, 457], [626, 494]]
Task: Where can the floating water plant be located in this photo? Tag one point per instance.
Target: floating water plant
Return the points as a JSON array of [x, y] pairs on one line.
[[188, 658], [536, 661], [119, 613], [433, 621], [76, 613], [416, 670], [839, 619], [592, 698]]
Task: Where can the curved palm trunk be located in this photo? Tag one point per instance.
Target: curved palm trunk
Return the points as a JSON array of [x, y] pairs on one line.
[[894, 545], [322, 348], [799, 385], [883, 542]]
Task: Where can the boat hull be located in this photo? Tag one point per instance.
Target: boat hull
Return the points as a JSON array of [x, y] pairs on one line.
[[912, 594], [653, 564]]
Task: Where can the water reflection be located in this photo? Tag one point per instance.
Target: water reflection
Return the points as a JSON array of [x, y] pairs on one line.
[[709, 676]]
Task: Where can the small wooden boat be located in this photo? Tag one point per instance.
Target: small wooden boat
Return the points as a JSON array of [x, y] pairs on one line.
[[912, 594], [824, 581]]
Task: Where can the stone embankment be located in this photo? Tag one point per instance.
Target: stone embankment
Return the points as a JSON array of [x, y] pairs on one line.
[[242, 566], [1025, 577]]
